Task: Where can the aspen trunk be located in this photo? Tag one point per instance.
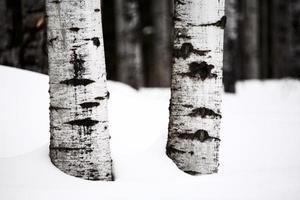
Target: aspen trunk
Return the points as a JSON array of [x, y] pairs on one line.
[[196, 85], [160, 75], [79, 143], [231, 51], [129, 49]]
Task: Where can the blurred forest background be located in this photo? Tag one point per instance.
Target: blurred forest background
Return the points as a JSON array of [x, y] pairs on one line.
[[262, 39]]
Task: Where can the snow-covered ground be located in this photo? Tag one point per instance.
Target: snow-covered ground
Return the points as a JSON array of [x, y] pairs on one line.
[[259, 152]]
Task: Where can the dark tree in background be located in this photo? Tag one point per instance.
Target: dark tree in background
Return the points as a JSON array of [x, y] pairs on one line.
[[261, 39], [231, 51], [161, 67], [249, 39], [129, 44], [23, 34]]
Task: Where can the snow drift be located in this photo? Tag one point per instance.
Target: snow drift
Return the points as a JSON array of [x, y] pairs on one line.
[[260, 143]]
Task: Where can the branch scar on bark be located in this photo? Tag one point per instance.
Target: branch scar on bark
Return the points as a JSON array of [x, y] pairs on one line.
[[202, 70], [102, 98], [67, 149], [77, 82], [204, 112], [187, 49], [75, 29], [56, 1], [56, 108], [220, 23], [89, 104], [87, 122], [200, 135]]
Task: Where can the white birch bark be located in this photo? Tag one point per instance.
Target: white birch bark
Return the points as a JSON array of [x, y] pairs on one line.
[[196, 85], [79, 143], [129, 49]]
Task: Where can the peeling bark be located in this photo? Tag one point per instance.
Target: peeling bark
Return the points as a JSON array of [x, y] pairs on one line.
[[79, 142], [193, 139]]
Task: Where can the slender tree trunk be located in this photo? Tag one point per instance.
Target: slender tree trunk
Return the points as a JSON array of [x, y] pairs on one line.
[[294, 24], [129, 50], [265, 38], [4, 34], [196, 86], [280, 46], [231, 51], [79, 143], [250, 40], [160, 75], [11, 32]]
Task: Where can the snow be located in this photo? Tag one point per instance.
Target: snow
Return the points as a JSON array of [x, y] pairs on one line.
[[259, 148]]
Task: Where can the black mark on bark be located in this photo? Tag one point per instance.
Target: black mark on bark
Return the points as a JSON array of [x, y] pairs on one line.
[[89, 104], [87, 122], [77, 62], [97, 10], [55, 1], [202, 70], [67, 149], [75, 29], [176, 18], [192, 172], [180, 2], [200, 135], [187, 106], [56, 108], [102, 98], [52, 40], [96, 41], [187, 49], [77, 82], [204, 112], [181, 33], [220, 23]]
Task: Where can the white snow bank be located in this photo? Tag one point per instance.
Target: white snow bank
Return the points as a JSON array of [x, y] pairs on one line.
[[259, 148]]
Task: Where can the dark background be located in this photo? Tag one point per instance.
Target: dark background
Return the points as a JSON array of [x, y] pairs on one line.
[[266, 46]]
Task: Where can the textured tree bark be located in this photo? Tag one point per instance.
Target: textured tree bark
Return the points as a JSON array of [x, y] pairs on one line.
[[250, 40], [160, 75], [231, 51], [129, 50], [196, 85], [79, 143]]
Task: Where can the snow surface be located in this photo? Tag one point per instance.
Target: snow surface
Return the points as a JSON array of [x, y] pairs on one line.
[[259, 148]]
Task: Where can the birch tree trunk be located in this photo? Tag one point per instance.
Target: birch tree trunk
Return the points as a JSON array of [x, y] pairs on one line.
[[160, 75], [196, 85], [129, 49], [79, 143]]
